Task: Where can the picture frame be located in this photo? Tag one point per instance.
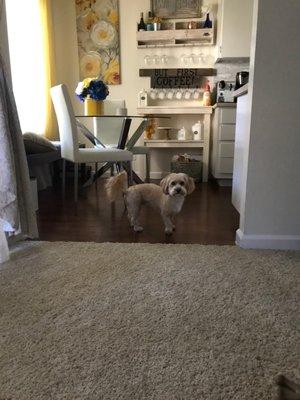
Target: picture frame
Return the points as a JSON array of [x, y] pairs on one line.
[[98, 40], [175, 9]]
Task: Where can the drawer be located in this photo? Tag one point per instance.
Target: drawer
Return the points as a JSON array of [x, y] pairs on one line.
[[225, 165], [226, 149], [228, 116], [226, 132]]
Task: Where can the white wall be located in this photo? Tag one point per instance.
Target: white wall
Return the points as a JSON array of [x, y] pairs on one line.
[[271, 217], [65, 42]]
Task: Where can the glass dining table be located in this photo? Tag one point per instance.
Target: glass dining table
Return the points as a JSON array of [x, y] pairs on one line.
[[123, 142]]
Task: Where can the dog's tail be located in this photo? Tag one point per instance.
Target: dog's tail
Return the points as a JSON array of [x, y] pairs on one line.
[[116, 185]]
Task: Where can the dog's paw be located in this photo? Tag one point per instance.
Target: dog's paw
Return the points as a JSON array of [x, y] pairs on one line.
[[138, 229], [168, 231]]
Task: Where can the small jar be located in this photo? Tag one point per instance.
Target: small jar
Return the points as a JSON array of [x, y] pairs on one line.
[[181, 135]]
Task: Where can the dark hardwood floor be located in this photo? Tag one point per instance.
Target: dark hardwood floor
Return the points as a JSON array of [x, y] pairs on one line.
[[208, 217]]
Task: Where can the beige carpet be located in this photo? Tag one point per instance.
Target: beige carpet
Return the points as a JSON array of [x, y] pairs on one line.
[[137, 321]]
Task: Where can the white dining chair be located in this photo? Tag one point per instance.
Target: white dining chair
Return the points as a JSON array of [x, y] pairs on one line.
[[68, 133], [108, 130]]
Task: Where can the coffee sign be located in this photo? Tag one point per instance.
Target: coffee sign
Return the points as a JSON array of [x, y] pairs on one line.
[[177, 78], [182, 78]]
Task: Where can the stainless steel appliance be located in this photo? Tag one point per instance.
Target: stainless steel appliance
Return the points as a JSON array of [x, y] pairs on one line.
[[241, 79], [225, 91]]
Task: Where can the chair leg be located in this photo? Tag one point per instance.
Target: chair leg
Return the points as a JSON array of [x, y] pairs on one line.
[[63, 177], [96, 169], [147, 167], [130, 176], [75, 182], [112, 169]]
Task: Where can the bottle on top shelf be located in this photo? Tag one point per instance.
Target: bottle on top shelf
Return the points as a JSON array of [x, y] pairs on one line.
[[149, 22], [141, 24], [208, 22]]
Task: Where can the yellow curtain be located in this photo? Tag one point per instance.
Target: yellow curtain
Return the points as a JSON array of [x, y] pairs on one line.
[[51, 129]]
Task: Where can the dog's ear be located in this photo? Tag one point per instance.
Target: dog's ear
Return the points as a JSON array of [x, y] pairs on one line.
[[190, 185], [164, 183]]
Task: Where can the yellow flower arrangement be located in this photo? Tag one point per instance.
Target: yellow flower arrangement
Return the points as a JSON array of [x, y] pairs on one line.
[[158, 20], [86, 82], [111, 75]]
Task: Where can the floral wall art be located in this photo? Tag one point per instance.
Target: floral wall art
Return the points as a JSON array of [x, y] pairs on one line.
[[98, 40]]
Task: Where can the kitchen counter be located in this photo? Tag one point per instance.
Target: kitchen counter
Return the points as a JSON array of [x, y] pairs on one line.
[[241, 91], [224, 105]]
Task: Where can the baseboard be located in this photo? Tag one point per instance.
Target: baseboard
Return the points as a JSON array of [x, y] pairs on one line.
[[224, 182], [274, 242]]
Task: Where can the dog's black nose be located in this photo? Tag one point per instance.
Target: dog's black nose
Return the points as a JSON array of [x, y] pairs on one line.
[[178, 190]]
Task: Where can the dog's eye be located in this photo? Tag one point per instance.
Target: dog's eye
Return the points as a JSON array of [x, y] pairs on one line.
[[173, 183], [181, 183]]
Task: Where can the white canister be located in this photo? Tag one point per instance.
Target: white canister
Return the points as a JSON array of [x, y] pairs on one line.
[[181, 135], [197, 130], [143, 98]]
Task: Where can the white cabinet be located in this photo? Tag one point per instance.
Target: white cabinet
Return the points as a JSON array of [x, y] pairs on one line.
[[223, 136], [234, 28]]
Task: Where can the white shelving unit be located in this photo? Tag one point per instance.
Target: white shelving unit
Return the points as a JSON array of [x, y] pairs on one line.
[[174, 110], [176, 34], [167, 144], [161, 143]]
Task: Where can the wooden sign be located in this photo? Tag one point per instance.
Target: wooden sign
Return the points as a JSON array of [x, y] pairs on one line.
[[177, 78], [176, 8]]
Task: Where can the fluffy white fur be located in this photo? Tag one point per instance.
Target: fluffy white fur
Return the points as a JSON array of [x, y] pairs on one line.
[[168, 198]]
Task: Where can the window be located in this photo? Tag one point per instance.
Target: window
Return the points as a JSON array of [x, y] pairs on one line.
[[26, 58]]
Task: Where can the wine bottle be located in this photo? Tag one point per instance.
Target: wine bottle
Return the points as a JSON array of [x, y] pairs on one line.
[[208, 22], [149, 22], [142, 25]]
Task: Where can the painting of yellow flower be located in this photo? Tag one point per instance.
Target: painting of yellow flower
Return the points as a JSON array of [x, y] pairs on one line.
[[98, 39], [112, 74]]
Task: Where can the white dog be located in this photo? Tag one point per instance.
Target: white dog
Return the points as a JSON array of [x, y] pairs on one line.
[[168, 198]]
